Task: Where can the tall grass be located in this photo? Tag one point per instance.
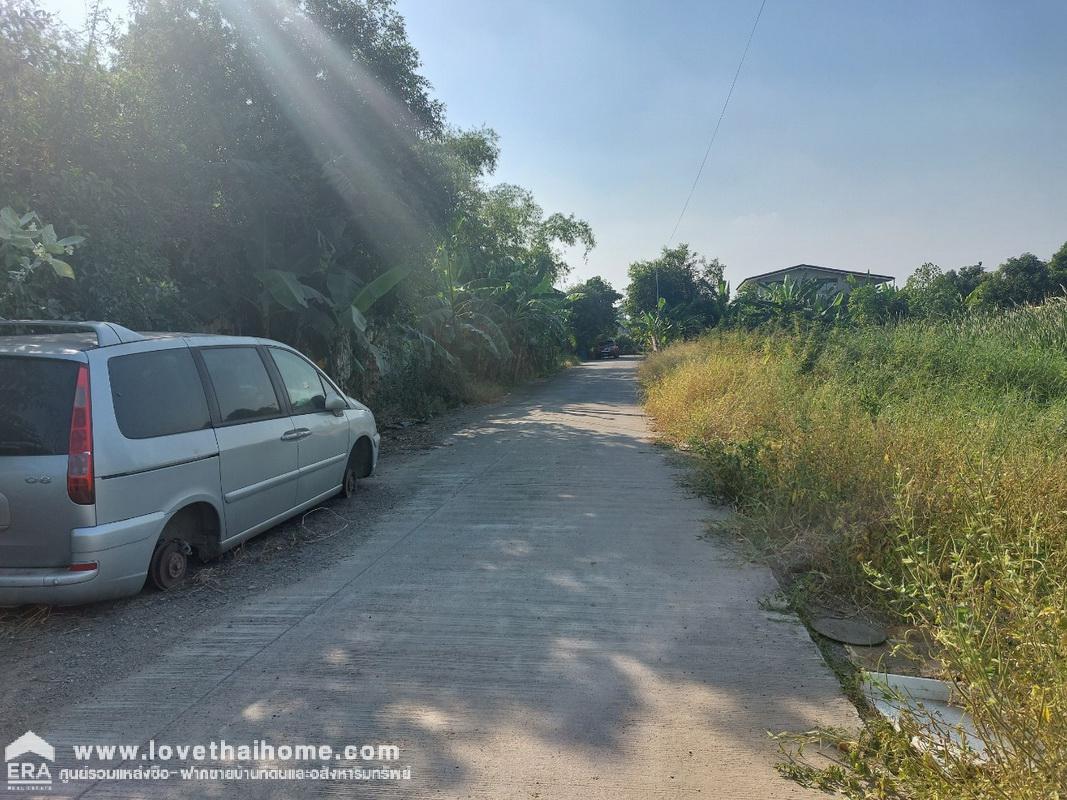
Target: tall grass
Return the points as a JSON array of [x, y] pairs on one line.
[[920, 468]]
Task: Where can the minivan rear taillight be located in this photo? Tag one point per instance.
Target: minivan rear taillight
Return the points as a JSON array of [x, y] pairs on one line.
[[80, 453]]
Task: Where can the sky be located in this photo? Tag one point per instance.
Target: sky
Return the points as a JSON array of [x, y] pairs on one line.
[[865, 135]]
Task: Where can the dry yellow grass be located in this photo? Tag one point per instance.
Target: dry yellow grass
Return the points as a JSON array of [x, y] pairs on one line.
[[923, 469]]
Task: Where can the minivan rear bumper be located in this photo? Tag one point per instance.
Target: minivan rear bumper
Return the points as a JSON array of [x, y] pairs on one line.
[[121, 551]]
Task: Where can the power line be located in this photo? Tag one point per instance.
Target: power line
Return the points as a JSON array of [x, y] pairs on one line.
[[715, 133]]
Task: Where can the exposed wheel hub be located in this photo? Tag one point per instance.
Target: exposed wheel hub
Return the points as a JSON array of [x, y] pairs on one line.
[[170, 563]]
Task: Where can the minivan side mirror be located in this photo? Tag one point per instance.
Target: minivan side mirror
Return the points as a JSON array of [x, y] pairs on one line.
[[336, 405]]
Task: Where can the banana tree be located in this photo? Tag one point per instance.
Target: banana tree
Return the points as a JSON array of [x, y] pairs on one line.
[[723, 306], [535, 315], [655, 330], [792, 299], [461, 314], [327, 302]]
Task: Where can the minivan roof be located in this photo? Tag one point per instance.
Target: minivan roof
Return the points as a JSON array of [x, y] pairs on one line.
[[67, 338], [99, 334], [48, 343]]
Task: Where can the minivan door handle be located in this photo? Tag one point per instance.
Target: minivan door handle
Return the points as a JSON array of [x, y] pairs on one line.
[[296, 434]]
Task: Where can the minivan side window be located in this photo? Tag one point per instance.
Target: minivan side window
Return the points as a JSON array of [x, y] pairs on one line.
[[242, 385], [157, 393], [302, 382]]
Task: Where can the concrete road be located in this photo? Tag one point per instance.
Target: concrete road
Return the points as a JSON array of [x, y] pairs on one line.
[[539, 619]]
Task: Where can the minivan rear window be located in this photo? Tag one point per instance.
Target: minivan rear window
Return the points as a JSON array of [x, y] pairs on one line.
[[36, 399], [158, 393]]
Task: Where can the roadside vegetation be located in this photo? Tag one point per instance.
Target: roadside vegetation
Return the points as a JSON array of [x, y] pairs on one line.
[[276, 169], [911, 463], [680, 294]]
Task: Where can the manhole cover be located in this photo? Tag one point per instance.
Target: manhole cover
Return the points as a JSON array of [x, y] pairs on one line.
[[855, 631]]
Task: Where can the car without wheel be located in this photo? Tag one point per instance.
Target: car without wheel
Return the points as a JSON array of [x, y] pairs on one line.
[[123, 453]]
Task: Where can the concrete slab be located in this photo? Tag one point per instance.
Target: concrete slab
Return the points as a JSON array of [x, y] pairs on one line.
[[539, 619]]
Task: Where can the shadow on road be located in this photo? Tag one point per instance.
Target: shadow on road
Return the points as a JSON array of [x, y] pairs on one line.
[[539, 618]]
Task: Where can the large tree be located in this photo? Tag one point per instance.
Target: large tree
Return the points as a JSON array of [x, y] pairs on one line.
[[691, 286], [930, 292], [1057, 271], [1019, 280], [593, 312]]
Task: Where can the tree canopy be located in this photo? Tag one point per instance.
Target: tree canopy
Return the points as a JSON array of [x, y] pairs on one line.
[[692, 295], [690, 285], [593, 312], [280, 169]]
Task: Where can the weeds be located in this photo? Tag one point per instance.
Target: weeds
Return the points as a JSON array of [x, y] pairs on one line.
[[15, 621], [920, 469]]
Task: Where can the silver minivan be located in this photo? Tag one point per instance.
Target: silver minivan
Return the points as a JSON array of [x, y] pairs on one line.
[[123, 453]]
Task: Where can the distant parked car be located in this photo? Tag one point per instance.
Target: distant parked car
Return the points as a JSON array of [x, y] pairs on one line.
[[606, 349], [122, 453]]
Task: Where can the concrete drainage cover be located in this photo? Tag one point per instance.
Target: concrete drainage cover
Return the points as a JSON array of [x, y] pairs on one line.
[[849, 630]]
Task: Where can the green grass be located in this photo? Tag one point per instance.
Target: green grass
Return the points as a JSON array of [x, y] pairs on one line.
[[920, 469]]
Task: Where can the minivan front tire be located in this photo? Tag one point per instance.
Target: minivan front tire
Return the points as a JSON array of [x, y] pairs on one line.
[[360, 464], [348, 483]]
